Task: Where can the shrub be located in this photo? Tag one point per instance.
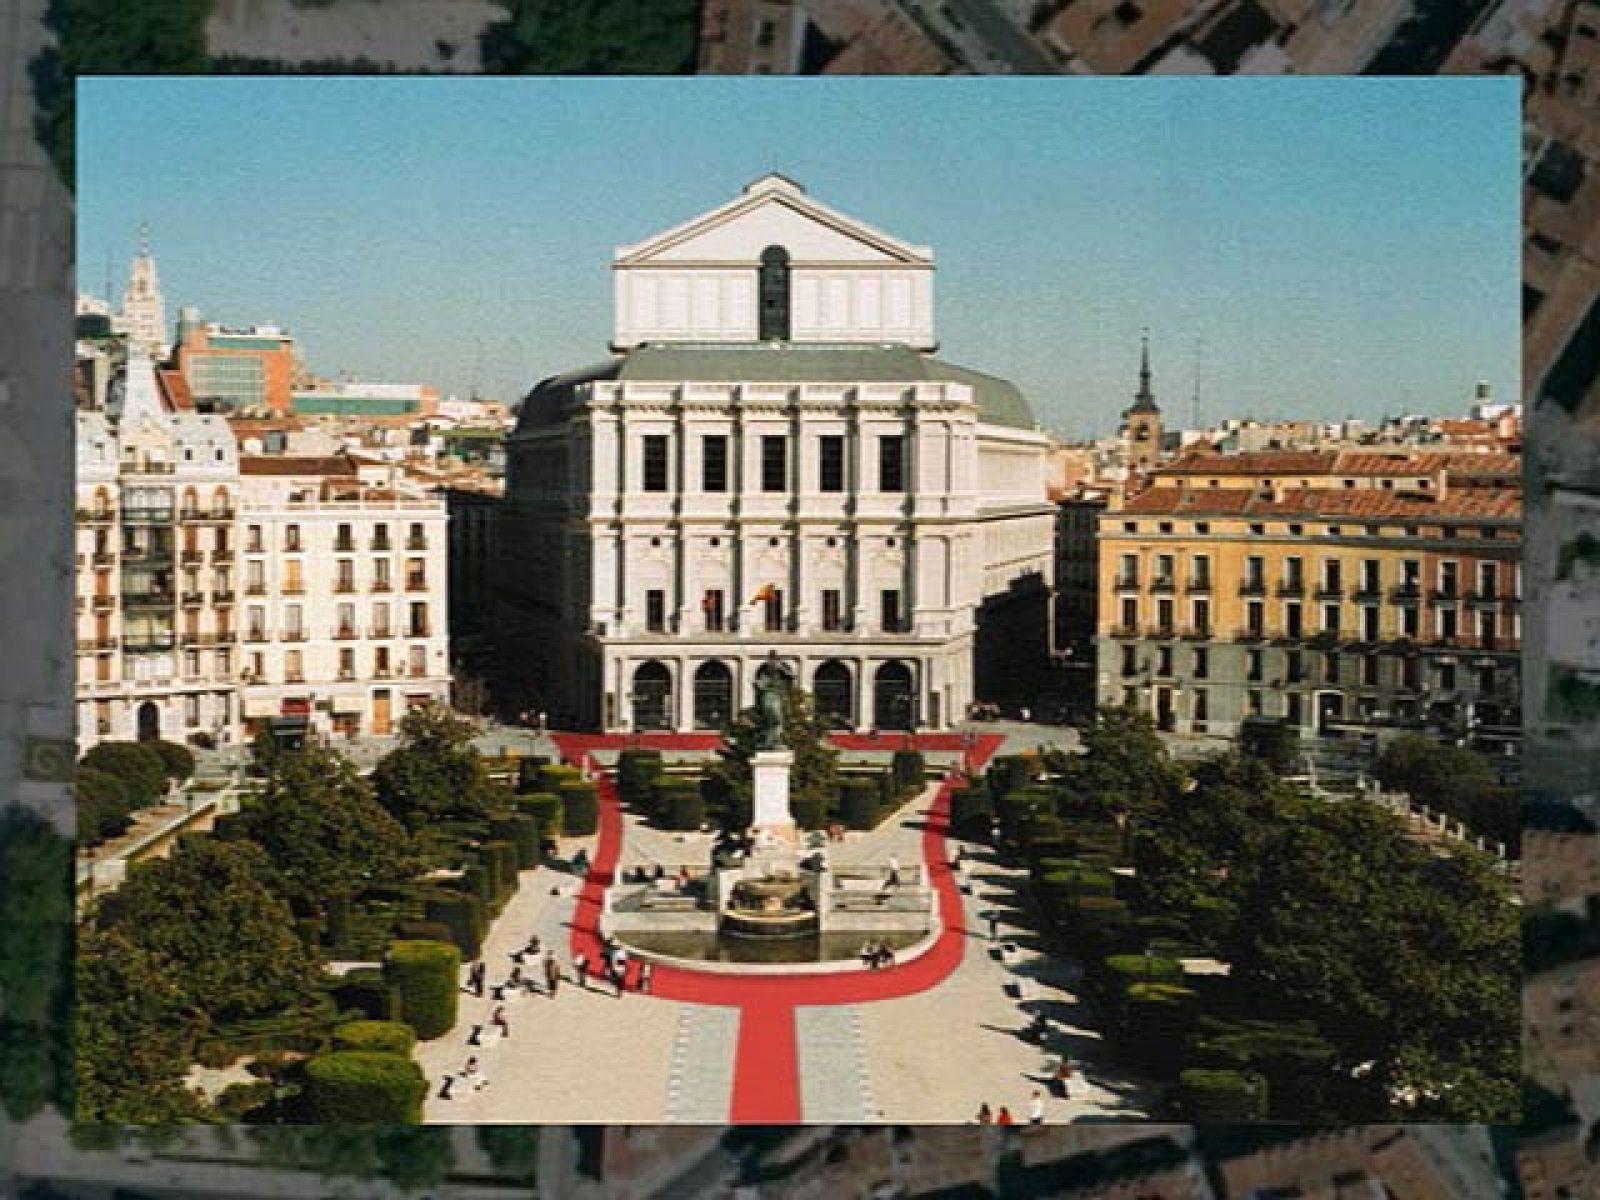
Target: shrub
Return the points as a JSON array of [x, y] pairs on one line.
[[1221, 1097], [177, 762], [504, 857], [636, 769], [424, 931], [809, 812], [971, 813], [462, 915], [356, 1088], [427, 977], [475, 879], [237, 1100], [553, 775], [909, 770], [528, 772], [676, 801], [1102, 919], [1156, 1017], [365, 990], [140, 769], [1120, 970], [858, 801], [522, 831], [580, 807], [376, 1037], [1009, 772], [545, 809], [104, 809]]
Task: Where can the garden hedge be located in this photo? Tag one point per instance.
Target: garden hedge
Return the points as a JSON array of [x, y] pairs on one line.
[[909, 771], [427, 977], [366, 990], [636, 769], [580, 807], [1009, 772], [475, 879], [858, 801], [462, 915], [528, 772], [552, 775], [423, 931], [809, 812], [545, 809], [1103, 918], [376, 1037], [502, 859], [361, 1088], [141, 769], [177, 761], [676, 801], [1221, 1097]]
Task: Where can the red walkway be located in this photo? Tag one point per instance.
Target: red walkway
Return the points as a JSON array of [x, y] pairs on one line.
[[766, 1076]]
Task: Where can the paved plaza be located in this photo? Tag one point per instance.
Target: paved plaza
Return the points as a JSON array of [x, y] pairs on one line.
[[927, 1040]]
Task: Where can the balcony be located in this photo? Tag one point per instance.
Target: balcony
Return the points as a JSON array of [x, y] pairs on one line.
[[1330, 591], [103, 558], [95, 516], [255, 635], [419, 631], [222, 554], [344, 587], [1445, 595], [382, 585], [416, 583], [147, 515], [1127, 583], [136, 643], [100, 645], [1250, 633], [1163, 583], [346, 674], [1367, 593], [1253, 587], [191, 558], [344, 546], [255, 589], [255, 547], [382, 631], [294, 677], [416, 543], [155, 559], [292, 635], [1197, 633], [192, 599], [1124, 631], [136, 600], [345, 633], [222, 597], [103, 603], [1405, 593], [1164, 631], [1200, 584], [381, 545], [295, 588], [146, 466], [1292, 587], [1485, 599]]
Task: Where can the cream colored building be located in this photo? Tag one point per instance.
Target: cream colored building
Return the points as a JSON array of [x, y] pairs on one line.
[[773, 464]]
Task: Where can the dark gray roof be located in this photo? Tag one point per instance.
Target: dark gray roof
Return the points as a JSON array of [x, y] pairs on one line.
[[999, 401]]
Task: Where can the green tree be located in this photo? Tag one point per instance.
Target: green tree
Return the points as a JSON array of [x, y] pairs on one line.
[[814, 779], [435, 772], [1123, 767], [592, 37], [325, 832], [133, 1016], [214, 915], [1451, 779], [137, 765], [35, 963], [413, 1159]]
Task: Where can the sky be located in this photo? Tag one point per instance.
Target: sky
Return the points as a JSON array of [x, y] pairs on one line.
[[1297, 247]]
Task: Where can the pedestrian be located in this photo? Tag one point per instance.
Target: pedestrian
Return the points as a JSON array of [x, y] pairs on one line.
[[622, 965], [470, 1074], [445, 1084], [477, 977], [1027, 715], [985, 1115], [552, 974], [498, 1020], [1036, 1108], [1005, 1117], [533, 944], [994, 925], [515, 978], [580, 967], [868, 954], [475, 1038], [616, 979], [498, 992], [894, 871], [647, 973], [886, 955]]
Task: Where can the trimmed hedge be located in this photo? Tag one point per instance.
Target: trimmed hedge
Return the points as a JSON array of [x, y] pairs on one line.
[[1101, 917], [427, 977], [376, 1037], [580, 807], [475, 879], [808, 812], [136, 764], [528, 772], [552, 775], [177, 761], [676, 801], [358, 1088], [366, 990], [423, 931], [1221, 1097], [858, 801], [909, 770], [971, 813], [545, 809], [462, 915], [636, 771], [502, 860]]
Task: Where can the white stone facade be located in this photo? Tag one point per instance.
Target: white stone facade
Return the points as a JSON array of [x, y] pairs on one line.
[[844, 502]]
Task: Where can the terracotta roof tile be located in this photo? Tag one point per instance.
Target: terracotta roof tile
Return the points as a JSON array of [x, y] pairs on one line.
[[1366, 503], [290, 464]]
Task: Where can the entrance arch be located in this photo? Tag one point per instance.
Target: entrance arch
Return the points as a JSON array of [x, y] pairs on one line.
[[148, 722], [835, 691], [894, 700], [713, 695], [652, 696]]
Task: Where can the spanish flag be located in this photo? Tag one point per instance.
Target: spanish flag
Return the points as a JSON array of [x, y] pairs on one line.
[[764, 593]]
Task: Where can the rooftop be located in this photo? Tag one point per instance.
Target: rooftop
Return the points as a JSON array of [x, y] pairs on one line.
[[1367, 503]]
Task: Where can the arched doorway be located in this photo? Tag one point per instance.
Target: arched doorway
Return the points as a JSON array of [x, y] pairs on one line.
[[149, 722], [713, 695], [893, 698], [652, 696], [834, 688]]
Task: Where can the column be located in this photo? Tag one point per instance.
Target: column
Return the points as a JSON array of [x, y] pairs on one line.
[[683, 695], [863, 693]]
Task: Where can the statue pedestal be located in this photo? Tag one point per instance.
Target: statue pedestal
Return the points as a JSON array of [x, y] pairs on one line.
[[771, 820]]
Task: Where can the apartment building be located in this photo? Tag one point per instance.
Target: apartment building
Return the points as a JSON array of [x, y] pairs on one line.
[[1342, 592], [344, 606]]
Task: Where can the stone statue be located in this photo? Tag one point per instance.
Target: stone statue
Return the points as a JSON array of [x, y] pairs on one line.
[[771, 707]]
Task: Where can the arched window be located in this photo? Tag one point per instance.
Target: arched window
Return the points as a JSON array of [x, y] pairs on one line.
[[713, 695], [835, 692], [893, 697], [774, 311], [652, 696]]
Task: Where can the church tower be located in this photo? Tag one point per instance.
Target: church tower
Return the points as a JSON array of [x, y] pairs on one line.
[[144, 313], [1141, 421]]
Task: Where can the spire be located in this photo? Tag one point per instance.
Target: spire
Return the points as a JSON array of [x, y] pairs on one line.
[[1144, 400], [144, 239]]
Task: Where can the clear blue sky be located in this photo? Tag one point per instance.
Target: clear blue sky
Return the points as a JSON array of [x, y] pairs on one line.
[[1342, 246]]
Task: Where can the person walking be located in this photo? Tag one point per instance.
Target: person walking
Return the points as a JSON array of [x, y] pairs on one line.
[[471, 1075], [580, 968], [552, 974], [1036, 1108], [533, 944], [498, 1020], [647, 973], [1005, 1117], [894, 871], [994, 925], [985, 1115]]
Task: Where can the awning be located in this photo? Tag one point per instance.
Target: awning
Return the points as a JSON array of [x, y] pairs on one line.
[[349, 704], [296, 706], [256, 705]]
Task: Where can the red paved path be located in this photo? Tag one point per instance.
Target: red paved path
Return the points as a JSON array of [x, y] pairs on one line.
[[766, 1075]]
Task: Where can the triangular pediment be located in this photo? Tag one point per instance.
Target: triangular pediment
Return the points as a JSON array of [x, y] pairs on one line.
[[773, 211]]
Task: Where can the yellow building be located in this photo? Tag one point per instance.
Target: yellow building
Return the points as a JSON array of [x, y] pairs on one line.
[[1342, 591]]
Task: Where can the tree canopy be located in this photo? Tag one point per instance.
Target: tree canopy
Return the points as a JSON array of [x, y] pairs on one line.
[[1123, 766], [435, 772]]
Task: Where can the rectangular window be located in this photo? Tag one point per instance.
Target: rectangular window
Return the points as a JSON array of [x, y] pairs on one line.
[[1447, 622], [291, 537], [1163, 660], [774, 463], [1332, 575], [1410, 622], [346, 581], [380, 619], [1200, 577], [1291, 619], [1369, 623], [1369, 670], [714, 463], [774, 610], [416, 574], [380, 575], [346, 621], [1410, 573], [1293, 574], [655, 610], [1202, 662], [419, 620], [1130, 613], [1253, 699], [830, 463], [1255, 618], [655, 462], [344, 540], [889, 600], [1202, 618], [1369, 575], [1293, 667], [419, 661], [1254, 569], [380, 662], [832, 610], [1330, 618], [1254, 666], [1163, 570], [1202, 706], [1128, 575], [714, 604], [892, 463], [1448, 577], [1164, 614], [1130, 660], [1330, 667], [1488, 579], [380, 537], [1447, 677]]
